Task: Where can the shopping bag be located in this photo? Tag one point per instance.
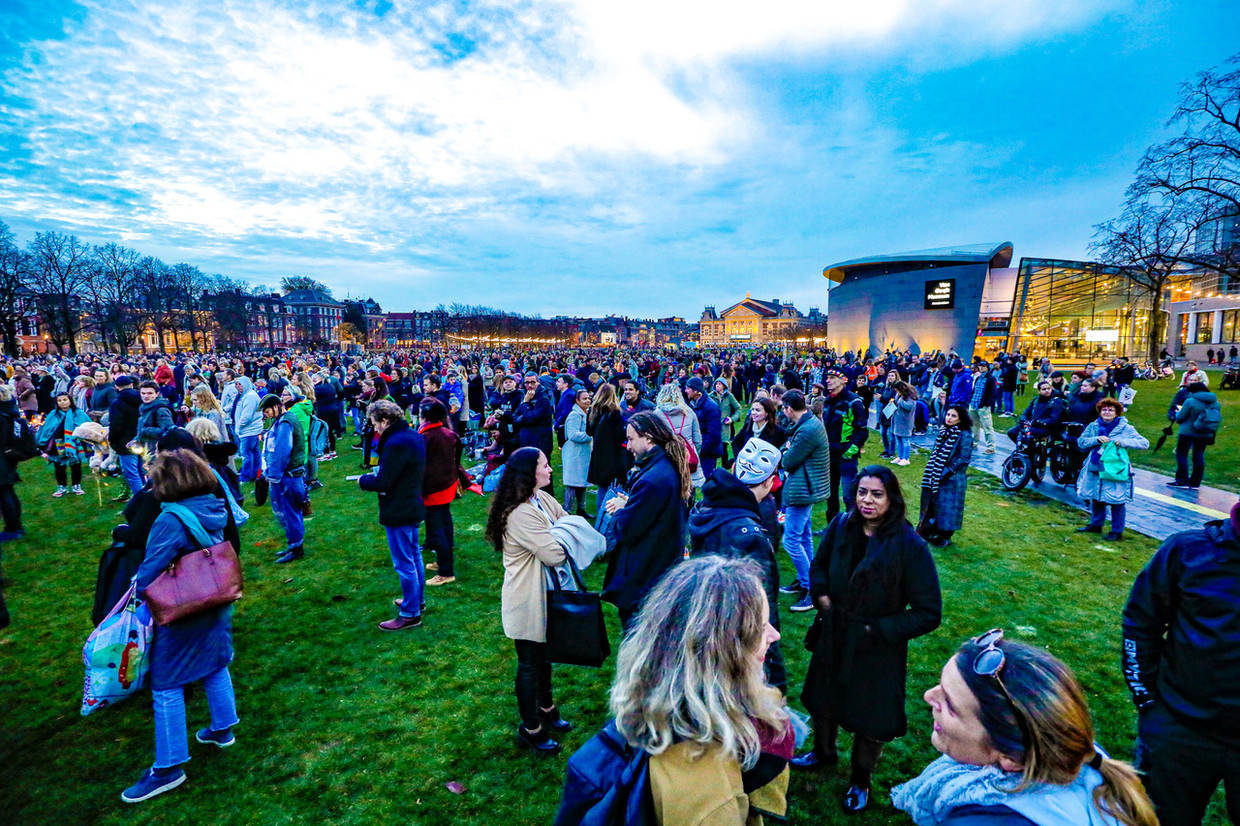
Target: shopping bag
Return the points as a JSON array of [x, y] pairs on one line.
[[117, 654], [1127, 396], [576, 633]]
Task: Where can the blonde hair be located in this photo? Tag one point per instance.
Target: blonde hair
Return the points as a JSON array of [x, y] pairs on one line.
[[1053, 737], [686, 671], [205, 400], [670, 396], [203, 430], [305, 384], [604, 402]]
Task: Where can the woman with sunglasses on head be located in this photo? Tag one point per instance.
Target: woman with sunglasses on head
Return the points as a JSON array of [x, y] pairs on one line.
[[875, 586], [1018, 747]]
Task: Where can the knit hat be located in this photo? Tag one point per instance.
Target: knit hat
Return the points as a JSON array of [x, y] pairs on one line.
[[756, 462], [177, 438], [839, 374], [696, 384]]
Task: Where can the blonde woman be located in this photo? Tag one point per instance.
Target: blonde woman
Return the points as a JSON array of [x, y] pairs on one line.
[[671, 405], [204, 405], [690, 692]]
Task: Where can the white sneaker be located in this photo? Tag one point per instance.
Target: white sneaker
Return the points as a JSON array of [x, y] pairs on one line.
[[60, 491], [78, 490]]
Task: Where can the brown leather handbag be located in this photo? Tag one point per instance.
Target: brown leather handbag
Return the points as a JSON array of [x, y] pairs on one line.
[[197, 581]]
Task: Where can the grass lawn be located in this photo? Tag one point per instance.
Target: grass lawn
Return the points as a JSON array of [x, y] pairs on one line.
[[345, 724], [1149, 415]]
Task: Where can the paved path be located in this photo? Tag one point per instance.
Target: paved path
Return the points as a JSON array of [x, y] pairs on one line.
[[1156, 510]]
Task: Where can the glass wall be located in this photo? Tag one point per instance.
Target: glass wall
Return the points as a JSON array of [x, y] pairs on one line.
[[1075, 311], [1205, 328]]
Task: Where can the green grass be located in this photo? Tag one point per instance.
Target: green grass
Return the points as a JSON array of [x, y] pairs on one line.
[[1149, 415], [345, 724]]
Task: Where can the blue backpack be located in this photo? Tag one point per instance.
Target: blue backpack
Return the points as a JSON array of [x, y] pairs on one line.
[[607, 783]]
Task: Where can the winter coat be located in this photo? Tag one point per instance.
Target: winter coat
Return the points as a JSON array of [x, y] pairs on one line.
[[1195, 403], [961, 391], [846, 421], [729, 408], [303, 412], [770, 432], [1082, 408], [197, 646], [528, 546], [27, 398], [686, 425], [398, 479], [284, 449], [903, 419], [711, 424], [154, 420], [807, 461], [123, 420], [728, 521], [627, 412], [609, 460], [708, 789], [533, 421], [443, 463], [948, 501], [101, 397], [9, 416], [64, 451], [575, 454], [247, 419], [890, 586], [1045, 415], [1181, 629], [649, 531], [1090, 485]]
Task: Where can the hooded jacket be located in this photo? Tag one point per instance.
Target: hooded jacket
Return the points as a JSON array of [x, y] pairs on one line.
[[728, 522], [154, 419], [1196, 401], [247, 419], [123, 420]]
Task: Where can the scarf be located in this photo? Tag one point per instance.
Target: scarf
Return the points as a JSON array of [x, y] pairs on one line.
[[948, 438], [1104, 429]]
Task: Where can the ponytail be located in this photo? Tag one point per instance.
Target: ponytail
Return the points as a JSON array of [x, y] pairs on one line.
[[656, 428], [1122, 795], [675, 450]]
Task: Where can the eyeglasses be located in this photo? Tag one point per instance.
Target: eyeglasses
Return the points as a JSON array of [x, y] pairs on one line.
[[989, 662]]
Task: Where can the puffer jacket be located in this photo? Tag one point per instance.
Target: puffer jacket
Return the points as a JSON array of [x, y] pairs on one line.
[[807, 461], [1196, 402]]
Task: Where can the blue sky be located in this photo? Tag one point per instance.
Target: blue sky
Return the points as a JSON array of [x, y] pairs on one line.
[[647, 157]]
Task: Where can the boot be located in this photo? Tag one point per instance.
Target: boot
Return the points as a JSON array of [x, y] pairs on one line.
[[824, 752]]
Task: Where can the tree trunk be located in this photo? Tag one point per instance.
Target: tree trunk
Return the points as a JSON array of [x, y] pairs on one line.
[[1156, 323]]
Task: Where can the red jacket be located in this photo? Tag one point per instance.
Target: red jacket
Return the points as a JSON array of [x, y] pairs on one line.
[[443, 462]]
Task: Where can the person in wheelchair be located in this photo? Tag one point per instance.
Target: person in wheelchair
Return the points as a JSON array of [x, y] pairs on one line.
[[1045, 415]]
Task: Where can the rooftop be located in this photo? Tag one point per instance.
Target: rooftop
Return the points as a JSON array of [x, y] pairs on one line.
[[996, 255]]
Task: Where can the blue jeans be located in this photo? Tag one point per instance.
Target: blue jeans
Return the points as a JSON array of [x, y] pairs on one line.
[[889, 442], [707, 465], [1009, 402], [131, 472], [407, 560], [359, 421], [904, 445], [171, 740], [286, 501], [799, 539], [1098, 515], [248, 448]]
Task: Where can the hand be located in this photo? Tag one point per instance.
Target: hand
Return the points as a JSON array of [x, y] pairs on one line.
[[823, 602], [529, 395], [616, 503], [1102, 440], [727, 420]]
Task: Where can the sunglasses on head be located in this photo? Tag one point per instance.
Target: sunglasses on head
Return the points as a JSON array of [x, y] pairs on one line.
[[989, 662]]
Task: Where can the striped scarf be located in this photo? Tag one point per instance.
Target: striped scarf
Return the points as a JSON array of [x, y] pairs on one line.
[[943, 447]]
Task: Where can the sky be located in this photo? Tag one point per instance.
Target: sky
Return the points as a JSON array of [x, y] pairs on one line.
[[583, 157]]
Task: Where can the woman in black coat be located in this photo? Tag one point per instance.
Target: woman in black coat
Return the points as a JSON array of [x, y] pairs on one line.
[[761, 421], [875, 586], [650, 520], [609, 461]]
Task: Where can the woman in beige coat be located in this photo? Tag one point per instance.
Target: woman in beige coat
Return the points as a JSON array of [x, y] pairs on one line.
[[519, 526]]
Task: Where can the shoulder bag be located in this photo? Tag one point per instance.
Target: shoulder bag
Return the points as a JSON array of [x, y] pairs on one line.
[[576, 633], [200, 580]]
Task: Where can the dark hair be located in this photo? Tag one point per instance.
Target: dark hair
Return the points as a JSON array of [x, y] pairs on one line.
[[516, 485], [896, 513], [180, 474], [72, 406], [433, 411], [962, 411], [381, 387], [149, 385], [772, 412], [434, 379], [794, 400]]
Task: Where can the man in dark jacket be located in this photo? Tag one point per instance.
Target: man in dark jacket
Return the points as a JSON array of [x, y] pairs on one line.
[[846, 421], [122, 430], [807, 461], [533, 418], [1181, 659], [633, 401], [728, 522], [710, 422], [1045, 413], [503, 405], [11, 422], [398, 481], [154, 416]]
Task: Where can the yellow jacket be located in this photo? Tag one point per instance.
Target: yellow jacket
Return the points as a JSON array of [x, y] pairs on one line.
[[707, 790]]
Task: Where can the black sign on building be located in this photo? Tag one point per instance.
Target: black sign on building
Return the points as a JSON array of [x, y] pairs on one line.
[[941, 294]]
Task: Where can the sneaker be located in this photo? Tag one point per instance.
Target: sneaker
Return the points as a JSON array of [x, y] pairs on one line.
[[1177, 484], [60, 491], [401, 623], [440, 580], [223, 739], [77, 489], [794, 588], [11, 536], [152, 784], [802, 604], [291, 555], [356, 447], [432, 566]]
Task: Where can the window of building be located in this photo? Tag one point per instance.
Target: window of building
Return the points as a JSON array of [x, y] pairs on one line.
[[1230, 322], [1205, 328]]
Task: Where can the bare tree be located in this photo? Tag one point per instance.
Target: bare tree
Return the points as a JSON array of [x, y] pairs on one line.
[[15, 295], [114, 295], [59, 268], [156, 298]]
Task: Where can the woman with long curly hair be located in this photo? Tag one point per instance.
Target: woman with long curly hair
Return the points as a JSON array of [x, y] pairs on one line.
[[1018, 746], [650, 521], [519, 527]]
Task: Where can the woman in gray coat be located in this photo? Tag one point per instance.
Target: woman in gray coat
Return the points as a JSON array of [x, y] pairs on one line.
[[944, 481], [683, 421], [575, 455], [902, 421], [1109, 427]]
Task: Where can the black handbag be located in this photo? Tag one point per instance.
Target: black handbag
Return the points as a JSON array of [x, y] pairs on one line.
[[576, 633]]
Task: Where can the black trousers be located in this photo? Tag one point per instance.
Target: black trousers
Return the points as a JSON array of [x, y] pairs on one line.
[[62, 477], [440, 536], [1197, 446], [533, 685], [1182, 768], [10, 508]]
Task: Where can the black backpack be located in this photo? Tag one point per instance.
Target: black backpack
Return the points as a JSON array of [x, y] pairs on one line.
[[607, 784]]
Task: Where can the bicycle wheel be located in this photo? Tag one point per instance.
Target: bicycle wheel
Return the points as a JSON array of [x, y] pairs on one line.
[[1061, 466], [1016, 471]]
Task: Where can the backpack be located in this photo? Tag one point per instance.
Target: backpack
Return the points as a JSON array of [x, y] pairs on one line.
[[21, 441], [318, 436], [1208, 421], [607, 783], [690, 450]]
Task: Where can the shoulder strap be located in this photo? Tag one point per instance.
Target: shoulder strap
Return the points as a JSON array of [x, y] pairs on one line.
[[187, 518]]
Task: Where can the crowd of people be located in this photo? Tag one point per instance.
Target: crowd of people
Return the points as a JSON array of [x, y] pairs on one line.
[[704, 464]]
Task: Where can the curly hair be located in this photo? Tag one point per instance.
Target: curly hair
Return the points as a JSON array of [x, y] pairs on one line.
[[516, 485]]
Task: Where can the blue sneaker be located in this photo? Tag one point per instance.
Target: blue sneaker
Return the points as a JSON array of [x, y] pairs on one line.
[[803, 604], [152, 784], [223, 739]]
